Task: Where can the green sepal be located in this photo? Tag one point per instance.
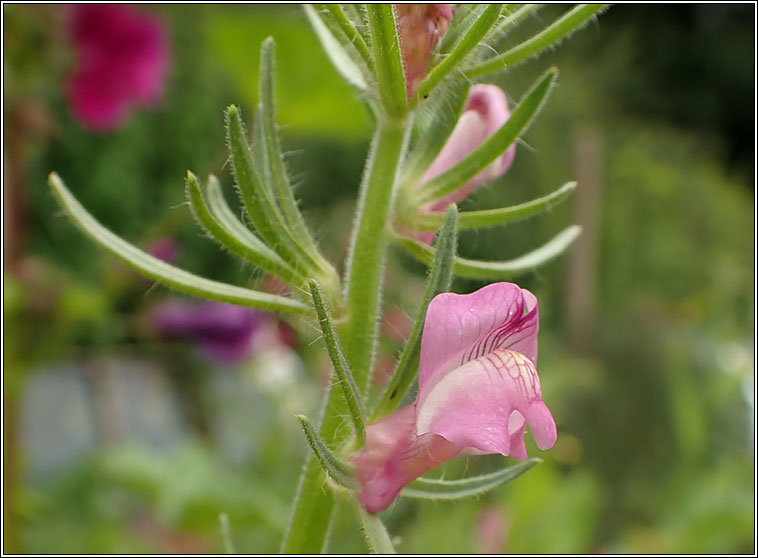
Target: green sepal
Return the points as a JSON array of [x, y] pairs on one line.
[[341, 368], [339, 471], [388, 63], [496, 270], [336, 52], [162, 272], [373, 530], [548, 37], [492, 148], [463, 47], [497, 217], [248, 247], [432, 489], [438, 281]]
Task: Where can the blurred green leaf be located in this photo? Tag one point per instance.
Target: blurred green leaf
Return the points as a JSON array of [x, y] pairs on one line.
[[313, 97]]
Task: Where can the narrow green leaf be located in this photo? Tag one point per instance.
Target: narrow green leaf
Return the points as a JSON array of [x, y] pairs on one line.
[[388, 63], [334, 50], [341, 368], [226, 534], [259, 202], [465, 45], [337, 469], [431, 489], [259, 149], [493, 147], [373, 530], [281, 181], [257, 254], [511, 19], [163, 272], [476, 269], [352, 35], [440, 115], [225, 216], [553, 33], [438, 281], [282, 186], [463, 19], [494, 217]]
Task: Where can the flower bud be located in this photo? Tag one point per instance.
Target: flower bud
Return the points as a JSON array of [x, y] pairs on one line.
[[420, 27], [485, 112]]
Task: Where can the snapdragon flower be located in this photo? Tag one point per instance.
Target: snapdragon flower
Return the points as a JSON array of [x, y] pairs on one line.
[[478, 390]]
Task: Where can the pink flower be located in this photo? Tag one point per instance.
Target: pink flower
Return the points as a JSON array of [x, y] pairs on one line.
[[420, 27], [478, 389], [486, 110], [123, 60]]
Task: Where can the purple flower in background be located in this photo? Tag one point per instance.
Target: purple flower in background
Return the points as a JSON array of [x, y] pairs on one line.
[[223, 332], [164, 248], [122, 62], [478, 389]]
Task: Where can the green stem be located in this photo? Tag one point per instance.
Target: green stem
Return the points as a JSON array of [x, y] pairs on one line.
[[314, 501], [368, 246]]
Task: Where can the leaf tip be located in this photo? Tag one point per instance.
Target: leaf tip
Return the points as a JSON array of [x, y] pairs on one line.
[[232, 111]]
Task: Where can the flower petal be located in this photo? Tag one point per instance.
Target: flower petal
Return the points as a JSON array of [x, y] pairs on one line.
[[473, 405], [393, 456], [460, 328]]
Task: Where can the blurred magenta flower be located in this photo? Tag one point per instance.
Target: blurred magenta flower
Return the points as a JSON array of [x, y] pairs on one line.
[[223, 332], [122, 62], [478, 389], [164, 248], [420, 27]]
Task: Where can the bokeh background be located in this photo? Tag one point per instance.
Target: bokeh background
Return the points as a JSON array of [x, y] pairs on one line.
[[117, 439]]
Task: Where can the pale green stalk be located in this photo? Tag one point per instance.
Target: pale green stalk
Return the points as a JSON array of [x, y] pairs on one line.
[[368, 247], [314, 501]]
